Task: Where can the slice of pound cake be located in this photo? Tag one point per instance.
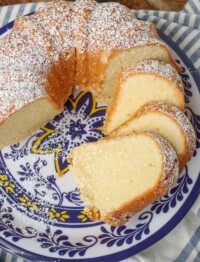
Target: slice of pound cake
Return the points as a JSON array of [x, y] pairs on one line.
[[167, 121], [145, 81], [121, 176]]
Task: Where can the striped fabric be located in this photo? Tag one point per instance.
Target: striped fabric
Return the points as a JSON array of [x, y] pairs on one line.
[[7, 257], [193, 7], [9, 13], [184, 29]]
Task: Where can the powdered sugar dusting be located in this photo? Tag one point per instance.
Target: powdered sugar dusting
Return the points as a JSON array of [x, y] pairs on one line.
[[19, 89], [41, 40], [55, 20], [121, 218], [113, 26], [17, 51], [171, 165], [182, 120], [155, 67], [82, 10]]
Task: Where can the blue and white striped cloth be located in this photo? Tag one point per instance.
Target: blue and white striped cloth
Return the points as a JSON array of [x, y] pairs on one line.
[[184, 29]]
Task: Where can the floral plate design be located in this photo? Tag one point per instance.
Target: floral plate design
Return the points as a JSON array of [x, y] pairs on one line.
[[41, 216]]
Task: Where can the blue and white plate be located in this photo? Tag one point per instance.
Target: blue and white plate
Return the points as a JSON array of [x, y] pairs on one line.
[[41, 216]]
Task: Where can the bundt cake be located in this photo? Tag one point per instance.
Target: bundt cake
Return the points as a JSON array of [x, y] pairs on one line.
[[143, 82], [121, 176], [168, 122], [67, 45]]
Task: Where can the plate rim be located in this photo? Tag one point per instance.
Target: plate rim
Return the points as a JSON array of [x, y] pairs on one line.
[[159, 234]]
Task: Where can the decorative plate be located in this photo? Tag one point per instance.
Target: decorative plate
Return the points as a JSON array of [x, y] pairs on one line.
[[41, 216]]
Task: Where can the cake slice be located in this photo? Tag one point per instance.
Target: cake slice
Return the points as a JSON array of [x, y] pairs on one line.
[[145, 81], [121, 176], [168, 122]]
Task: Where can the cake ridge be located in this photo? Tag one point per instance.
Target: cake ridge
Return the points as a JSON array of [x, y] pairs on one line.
[[17, 51], [29, 29], [126, 33], [55, 20], [27, 86]]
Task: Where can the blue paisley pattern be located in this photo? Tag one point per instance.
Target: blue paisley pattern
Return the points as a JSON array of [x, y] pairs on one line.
[[8, 229], [195, 120], [20, 150], [186, 83], [80, 122], [59, 242], [175, 195], [119, 236]]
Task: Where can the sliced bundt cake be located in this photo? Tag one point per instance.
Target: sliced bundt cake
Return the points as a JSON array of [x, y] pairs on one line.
[[145, 81], [168, 122], [121, 176]]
